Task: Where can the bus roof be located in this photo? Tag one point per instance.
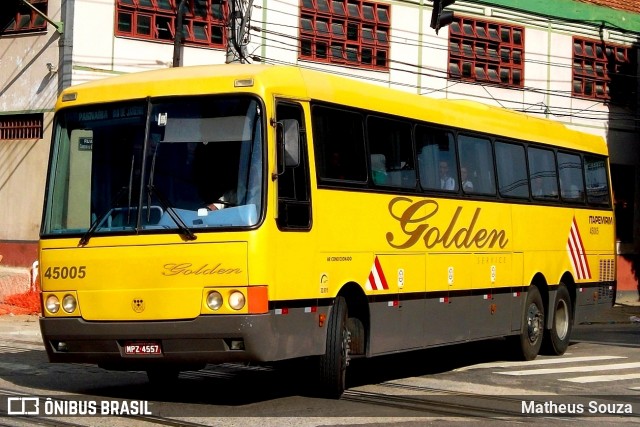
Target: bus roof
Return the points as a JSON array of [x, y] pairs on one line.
[[324, 86]]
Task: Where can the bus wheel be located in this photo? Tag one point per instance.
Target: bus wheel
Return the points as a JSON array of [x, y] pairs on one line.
[[530, 340], [333, 364], [556, 339]]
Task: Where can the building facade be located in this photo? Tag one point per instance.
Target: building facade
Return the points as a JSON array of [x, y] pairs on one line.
[[573, 61]]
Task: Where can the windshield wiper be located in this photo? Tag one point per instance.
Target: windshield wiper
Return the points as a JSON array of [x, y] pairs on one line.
[[98, 222], [184, 229]]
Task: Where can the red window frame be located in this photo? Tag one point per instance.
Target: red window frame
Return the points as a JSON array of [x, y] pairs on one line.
[[21, 126], [199, 14], [347, 32], [595, 63], [486, 51], [23, 19]]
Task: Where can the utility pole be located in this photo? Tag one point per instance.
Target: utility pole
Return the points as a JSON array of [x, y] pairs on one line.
[[237, 31], [177, 41]]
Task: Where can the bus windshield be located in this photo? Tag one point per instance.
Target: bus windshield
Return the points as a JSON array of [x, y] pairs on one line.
[[174, 164]]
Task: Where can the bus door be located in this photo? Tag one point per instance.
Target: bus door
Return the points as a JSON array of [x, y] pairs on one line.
[[296, 244]]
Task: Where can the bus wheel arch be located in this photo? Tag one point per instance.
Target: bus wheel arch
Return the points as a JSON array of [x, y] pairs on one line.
[[561, 316], [346, 335]]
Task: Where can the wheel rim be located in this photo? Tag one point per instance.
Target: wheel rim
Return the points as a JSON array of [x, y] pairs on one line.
[[534, 323], [561, 320], [346, 346]]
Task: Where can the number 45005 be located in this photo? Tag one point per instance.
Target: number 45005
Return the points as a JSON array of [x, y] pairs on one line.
[[74, 272]]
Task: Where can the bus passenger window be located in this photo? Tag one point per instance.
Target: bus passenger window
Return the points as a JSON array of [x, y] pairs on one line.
[[571, 183], [476, 155], [436, 159], [512, 170], [542, 173], [392, 162], [597, 182]]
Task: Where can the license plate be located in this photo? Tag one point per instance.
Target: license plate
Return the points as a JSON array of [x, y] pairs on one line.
[[142, 348]]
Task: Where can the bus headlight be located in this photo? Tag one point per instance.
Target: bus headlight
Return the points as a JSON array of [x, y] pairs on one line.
[[52, 304], [214, 300], [236, 300], [69, 303]]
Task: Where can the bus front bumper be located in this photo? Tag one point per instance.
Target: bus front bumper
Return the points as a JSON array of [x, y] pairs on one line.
[[205, 339]]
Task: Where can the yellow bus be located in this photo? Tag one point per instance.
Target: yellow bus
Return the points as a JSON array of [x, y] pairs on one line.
[[251, 213]]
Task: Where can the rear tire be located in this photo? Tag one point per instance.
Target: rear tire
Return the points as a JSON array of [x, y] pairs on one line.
[[333, 364], [556, 339], [527, 344]]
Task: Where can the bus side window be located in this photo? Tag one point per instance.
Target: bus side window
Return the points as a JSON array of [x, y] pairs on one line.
[[435, 146], [294, 192], [338, 140], [476, 154], [571, 182], [392, 162], [543, 177], [512, 170], [597, 183]]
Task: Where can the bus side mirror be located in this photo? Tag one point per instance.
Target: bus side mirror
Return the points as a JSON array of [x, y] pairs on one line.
[[288, 143]]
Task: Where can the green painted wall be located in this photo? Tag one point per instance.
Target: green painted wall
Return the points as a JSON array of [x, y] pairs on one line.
[[574, 10]]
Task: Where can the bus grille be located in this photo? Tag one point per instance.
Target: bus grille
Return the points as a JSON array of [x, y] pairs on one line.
[[607, 270]]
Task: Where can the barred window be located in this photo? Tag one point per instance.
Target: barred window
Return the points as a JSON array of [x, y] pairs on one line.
[[483, 51], [603, 71], [203, 24], [352, 32], [21, 126], [17, 17]]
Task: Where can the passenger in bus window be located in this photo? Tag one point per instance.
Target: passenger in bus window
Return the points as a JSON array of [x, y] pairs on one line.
[[446, 181], [467, 185]]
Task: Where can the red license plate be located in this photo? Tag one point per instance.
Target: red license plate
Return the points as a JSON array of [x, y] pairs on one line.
[[142, 348]]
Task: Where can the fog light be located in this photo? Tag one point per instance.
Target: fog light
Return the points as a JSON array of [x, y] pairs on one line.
[[214, 300], [52, 304], [69, 303], [236, 300], [237, 345], [62, 347]]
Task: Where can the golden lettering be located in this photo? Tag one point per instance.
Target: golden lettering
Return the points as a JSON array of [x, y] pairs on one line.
[[415, 225]]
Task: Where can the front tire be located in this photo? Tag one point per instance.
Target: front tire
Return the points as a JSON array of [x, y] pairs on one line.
[[528, 343], [333, 364], [556, 339]]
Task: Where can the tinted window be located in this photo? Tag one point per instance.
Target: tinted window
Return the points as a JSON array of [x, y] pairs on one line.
[[512, 170], [571, 184], [597, 182], [338, 138], [542, 174], [436, 159], [477, 157], [391, 155]]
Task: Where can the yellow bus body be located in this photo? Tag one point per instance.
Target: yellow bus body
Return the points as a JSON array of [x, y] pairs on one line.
[[417, 269]]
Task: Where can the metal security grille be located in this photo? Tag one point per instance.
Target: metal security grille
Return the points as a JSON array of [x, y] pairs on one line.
[[351, 32], [598, 67], [204, 21], [487, 52], [23, 126], [16, 17]]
